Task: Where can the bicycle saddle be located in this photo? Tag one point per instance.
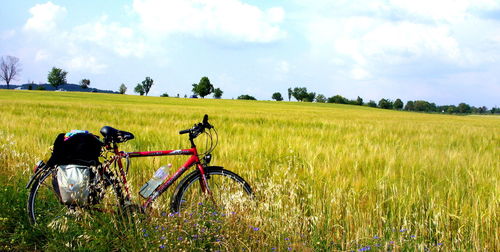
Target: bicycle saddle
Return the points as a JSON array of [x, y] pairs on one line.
[[111, 134]]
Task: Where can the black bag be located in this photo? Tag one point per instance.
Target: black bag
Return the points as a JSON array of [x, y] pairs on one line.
[[81, 149], [76, 157]]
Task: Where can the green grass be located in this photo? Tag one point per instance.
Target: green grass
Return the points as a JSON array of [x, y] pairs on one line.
[[327, 177]]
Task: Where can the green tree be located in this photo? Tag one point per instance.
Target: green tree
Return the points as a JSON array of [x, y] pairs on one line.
[[85, 83], [299, 93], [57, 77], [309, 97], [246, 97], [359, 101], [372, 104], [385, 104], [139, 89], [398, 104], [164, 95], [277, 96], [290, 94], [122, 89], [203, 88], [320, 98], [146, 85], [218, 93], [338, 99], [464, 108], [410, 106]]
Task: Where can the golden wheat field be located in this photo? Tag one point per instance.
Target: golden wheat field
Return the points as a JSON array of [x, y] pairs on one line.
[[327, 177]]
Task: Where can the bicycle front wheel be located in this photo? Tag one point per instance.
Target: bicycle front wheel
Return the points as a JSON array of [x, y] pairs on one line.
[[228, 192]]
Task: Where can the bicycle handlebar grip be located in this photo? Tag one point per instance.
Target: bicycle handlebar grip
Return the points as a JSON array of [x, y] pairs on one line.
[[184, 131]]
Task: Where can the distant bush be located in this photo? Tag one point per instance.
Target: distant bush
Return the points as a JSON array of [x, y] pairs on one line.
[[246, 97]]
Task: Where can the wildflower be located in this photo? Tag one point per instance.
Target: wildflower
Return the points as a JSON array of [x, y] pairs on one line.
[[289, 248], [163, 237], [180, 238], [286, 239], [200, 203], [233, 213], [162, 246], [163, 214], [403, 230], [273, 248], [156, 227], [440, 243], [376, 237], [391, 242], [255, 229], [412, 236], [143, 230], [146, 235]]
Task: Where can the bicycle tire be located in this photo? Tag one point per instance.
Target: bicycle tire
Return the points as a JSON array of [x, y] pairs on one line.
[[43, 204], [231, 193]]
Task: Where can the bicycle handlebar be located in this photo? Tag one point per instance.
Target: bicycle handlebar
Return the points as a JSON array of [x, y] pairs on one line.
[[198, 128]]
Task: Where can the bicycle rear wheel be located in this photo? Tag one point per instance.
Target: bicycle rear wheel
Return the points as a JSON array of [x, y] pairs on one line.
[[229, 192], [43, 206], [45, 209]]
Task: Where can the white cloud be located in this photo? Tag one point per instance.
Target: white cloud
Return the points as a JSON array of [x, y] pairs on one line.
[[85, 64], [442, 10], [41, 55], [368, 37], [230, 20], [112, 36], [283, 67], [44, 16]]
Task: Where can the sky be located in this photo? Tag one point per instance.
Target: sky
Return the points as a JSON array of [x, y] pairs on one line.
[[442, 51]]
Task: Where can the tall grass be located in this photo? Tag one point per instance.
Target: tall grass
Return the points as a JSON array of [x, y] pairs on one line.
[[327, 177]]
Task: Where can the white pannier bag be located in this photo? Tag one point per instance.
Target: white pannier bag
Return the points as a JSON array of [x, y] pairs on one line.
[[73, 183]]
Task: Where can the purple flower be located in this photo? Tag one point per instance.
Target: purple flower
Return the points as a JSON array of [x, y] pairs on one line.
[[376, 237], [233, 213], [412, 236], [273, 248], [180, 238], [289, 248], [199, 204], [286, 239], [403, 230], [255, 229], [146, 235], [162, 246], [164, 214], [163, 237], [440, 243]]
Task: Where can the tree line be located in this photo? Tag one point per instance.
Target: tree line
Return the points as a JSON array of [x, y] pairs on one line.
[[10, 68], [301, 94]]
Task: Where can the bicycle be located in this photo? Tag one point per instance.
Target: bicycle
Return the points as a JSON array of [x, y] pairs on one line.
[[220, 188]]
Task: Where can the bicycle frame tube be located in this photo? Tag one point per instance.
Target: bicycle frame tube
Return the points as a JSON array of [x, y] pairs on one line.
[[193, 159]]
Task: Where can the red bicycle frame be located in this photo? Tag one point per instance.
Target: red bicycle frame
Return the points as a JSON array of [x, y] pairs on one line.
[[193, 160]]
